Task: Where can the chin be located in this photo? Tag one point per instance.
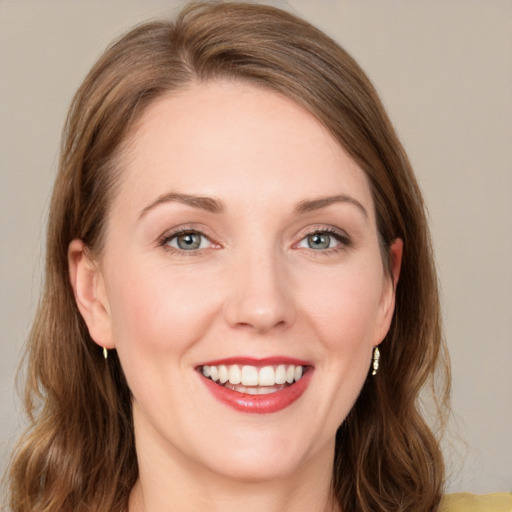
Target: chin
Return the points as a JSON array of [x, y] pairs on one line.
[[249, 457], [255, 468]]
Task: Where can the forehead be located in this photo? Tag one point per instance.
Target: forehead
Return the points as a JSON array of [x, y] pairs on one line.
[[235, 140]]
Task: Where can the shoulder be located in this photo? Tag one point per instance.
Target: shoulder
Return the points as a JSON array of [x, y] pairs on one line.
[[465, 502]]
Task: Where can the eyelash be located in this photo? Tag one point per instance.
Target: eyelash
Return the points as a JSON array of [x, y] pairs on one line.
[[168, 237], [343, 239]]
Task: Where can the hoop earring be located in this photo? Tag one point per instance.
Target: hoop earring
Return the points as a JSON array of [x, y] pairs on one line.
[[376, 357], [105, 352]]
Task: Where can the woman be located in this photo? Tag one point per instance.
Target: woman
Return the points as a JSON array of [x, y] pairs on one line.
[[241, 304]]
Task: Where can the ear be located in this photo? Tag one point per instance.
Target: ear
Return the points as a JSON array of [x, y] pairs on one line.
[[90, 294], [387, 305]]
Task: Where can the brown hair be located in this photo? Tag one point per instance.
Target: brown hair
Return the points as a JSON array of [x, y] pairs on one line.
[[78, 453]]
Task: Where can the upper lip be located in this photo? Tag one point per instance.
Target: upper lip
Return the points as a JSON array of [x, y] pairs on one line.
[[258, 362]]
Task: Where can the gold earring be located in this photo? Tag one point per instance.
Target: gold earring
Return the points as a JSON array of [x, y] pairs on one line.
[[376, 357], [105, 352]]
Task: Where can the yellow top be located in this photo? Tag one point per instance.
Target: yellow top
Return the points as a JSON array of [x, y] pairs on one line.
[[465, 502]]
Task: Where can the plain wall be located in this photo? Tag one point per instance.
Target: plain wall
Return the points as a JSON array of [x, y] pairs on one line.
[[444, 71]]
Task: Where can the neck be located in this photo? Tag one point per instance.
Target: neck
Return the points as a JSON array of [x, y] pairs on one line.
[[230, 497]]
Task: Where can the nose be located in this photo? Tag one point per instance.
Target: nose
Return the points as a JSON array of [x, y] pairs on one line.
[[261, 295]]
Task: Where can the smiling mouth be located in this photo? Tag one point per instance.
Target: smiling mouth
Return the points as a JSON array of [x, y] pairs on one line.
[[253, 380]]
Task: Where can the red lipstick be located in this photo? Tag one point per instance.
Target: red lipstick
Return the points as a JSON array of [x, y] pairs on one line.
[[260, 403], [252, 361]]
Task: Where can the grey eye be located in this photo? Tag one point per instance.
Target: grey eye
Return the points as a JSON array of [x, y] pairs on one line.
[[189, 241], [319, 241]]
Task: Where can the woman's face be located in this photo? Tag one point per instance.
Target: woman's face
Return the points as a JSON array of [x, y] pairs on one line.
[[241, 244]]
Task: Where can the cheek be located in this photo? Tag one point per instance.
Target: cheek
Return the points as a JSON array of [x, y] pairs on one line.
[[345, 306], [157, 316], [342, 312], [158, 309]]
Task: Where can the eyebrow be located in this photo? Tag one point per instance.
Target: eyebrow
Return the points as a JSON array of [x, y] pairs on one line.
[[204, 203], [323, 202], [215, 206]]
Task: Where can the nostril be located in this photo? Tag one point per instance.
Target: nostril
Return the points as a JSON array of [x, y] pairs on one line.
[[261, 323]]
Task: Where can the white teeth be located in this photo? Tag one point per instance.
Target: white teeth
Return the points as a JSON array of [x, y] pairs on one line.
[[267, 376], [234, 376], [223, 374], [290, 374], [267, 390], [250, 376], [281, 374]]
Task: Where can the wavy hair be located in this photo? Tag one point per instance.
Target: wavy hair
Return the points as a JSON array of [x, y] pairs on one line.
[[78, 452]]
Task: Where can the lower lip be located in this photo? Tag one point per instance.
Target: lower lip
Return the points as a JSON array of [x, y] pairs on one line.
[[259, 404]]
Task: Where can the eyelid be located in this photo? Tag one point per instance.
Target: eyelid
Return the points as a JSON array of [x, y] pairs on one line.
[[163, 240], [340, 235]]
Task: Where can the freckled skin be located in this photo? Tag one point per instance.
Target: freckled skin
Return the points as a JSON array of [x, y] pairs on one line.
[[254, 288]]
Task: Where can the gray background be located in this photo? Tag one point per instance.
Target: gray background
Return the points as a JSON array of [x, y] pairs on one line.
[[444, 71]]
